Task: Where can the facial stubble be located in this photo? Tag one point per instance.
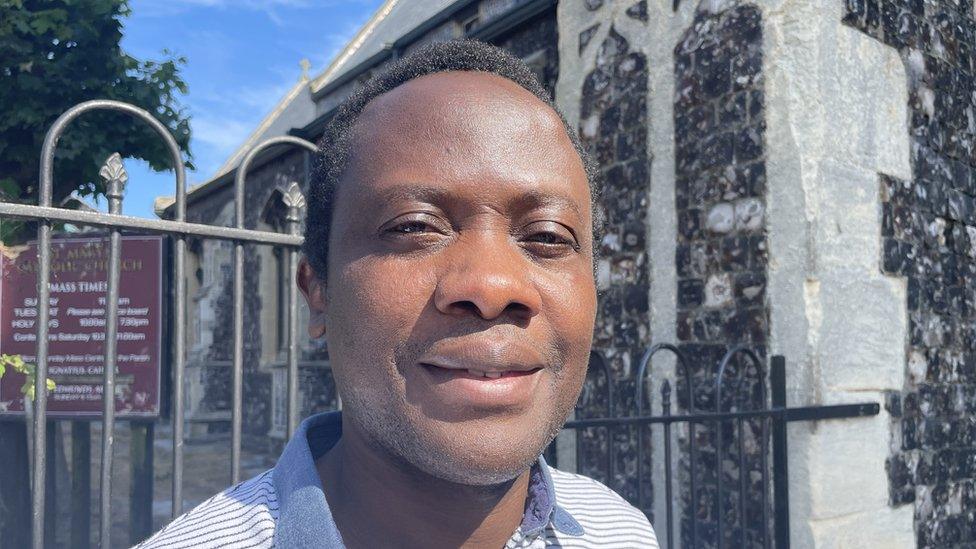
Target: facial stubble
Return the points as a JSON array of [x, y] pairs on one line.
[[392, 426]]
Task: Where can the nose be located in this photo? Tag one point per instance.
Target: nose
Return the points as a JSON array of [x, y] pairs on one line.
[[487, 276]]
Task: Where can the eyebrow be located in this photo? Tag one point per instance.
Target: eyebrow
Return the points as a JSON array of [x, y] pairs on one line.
[[528, 200], [410, 191]]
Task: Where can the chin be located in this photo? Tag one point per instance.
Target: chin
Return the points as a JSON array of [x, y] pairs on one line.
[[486, 451], [470, 455], [475, 455], [477, 468]]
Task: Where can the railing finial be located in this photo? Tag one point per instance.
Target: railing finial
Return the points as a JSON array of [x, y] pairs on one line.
[[115, 176]]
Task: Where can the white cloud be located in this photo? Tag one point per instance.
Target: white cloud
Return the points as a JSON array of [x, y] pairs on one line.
[[231, 93], [264, 98], [246, 4], [167, 8], [220, 135], [225, 122], [247, 101]]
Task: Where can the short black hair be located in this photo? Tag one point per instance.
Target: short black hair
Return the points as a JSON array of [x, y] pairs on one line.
[[455, 55]]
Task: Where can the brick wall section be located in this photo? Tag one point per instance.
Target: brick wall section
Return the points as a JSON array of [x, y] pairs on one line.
[[929, 234], [721, 253]]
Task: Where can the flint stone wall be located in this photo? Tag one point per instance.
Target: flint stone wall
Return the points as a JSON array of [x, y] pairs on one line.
[[929, 237]]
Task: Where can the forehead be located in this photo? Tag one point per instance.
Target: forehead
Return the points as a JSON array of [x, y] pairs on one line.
[[465, 129]]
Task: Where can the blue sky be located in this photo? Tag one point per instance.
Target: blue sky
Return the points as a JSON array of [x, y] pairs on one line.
[[242, 56]]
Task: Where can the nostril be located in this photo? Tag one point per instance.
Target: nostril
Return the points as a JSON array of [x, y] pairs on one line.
[[468, 307], [518, 309], [513, 309]]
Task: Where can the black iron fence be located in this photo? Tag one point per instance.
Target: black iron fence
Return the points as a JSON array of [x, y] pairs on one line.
[[720, 477], [178, 229], [714, 513]]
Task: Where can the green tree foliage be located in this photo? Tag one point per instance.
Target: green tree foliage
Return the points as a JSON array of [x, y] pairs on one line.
[[17, 364], [55, 54]]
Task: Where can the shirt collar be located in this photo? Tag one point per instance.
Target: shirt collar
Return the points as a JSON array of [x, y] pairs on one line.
[[304, 518]]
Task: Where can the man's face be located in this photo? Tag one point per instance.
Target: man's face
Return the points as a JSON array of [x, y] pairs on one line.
[[459, 300]]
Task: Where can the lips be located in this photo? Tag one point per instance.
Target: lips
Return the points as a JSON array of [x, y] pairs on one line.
[[483, 356], [482, 374]]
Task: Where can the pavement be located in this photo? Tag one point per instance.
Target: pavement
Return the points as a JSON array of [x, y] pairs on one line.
[[206, 472]]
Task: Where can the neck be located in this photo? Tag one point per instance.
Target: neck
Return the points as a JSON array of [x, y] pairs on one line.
[[377, 501]]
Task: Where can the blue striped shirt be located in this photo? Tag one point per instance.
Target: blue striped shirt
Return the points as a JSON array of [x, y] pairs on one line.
[[286, 507]]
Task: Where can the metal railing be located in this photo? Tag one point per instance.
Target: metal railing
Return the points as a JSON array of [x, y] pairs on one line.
[[114, 174], [767, 408], [294, 200]]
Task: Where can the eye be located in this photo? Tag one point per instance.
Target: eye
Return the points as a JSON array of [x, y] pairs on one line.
[[551, 238], [414, 224], [410, 227]]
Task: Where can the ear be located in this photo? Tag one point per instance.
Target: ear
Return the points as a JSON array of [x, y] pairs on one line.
[[313, 288]]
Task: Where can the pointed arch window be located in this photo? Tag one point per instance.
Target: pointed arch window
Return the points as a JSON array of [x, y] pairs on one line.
[[274, 219]]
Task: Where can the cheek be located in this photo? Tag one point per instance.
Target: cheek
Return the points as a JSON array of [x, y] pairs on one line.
[[570, 303], [372, 305]]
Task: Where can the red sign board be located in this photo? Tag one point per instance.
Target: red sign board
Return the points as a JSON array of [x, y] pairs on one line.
[[79, 288]]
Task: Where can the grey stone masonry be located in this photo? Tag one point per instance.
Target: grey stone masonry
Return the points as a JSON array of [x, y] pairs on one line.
[[613, 126], [929, 235], [721, 254]]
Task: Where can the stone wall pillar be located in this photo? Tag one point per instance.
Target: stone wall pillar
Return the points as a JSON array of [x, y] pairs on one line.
[[837, 119]]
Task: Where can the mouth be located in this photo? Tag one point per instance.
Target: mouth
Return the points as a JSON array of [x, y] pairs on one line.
[[497, 375], [478, 374], [493, 389]]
